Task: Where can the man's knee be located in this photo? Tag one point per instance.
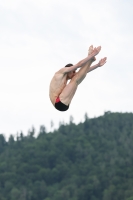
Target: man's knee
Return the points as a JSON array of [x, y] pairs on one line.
[[75, 79], [78, 78]]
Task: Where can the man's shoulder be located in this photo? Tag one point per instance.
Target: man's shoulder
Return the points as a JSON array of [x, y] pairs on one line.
[[63, 71], [59, 74]]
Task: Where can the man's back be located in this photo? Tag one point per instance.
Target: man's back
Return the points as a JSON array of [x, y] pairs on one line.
[[57, 84]]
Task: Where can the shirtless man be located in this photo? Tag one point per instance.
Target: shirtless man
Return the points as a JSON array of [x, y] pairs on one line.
[[61, 92]]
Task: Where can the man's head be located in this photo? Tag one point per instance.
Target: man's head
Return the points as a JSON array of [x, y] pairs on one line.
[[71, 74], [69, 65]]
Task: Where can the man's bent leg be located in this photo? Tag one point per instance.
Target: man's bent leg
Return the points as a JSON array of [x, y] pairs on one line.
[[68, 92]]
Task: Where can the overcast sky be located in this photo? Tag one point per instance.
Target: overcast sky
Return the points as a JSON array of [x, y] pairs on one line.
[[38, 37]]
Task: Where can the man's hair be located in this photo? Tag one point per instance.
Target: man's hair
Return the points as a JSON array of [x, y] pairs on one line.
[[69, 65]]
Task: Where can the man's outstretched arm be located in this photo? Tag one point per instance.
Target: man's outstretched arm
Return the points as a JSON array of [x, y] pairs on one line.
[[82, 62], [99, 64]]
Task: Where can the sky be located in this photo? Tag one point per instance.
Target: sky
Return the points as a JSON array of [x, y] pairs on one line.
[[38, 37]]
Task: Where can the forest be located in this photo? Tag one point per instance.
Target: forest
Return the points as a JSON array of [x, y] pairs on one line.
[[91, 160]]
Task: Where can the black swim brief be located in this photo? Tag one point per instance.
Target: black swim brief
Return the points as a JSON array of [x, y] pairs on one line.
[[60, 106]]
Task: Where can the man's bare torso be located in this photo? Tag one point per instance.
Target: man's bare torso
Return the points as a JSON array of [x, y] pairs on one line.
[[57, 85]]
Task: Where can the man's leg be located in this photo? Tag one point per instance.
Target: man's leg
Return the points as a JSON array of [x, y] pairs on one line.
[[68, 92], [81, 74]]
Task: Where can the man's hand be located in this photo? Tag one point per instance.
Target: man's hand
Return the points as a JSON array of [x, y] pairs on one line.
[[102, 62], [99, 64]]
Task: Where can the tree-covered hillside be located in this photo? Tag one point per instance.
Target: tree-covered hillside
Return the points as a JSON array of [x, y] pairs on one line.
[[89, 161]]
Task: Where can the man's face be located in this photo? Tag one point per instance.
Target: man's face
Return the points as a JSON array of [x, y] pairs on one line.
[[70, 75]]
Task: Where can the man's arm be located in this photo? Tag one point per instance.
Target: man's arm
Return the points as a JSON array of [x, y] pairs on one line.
[[82, 62], [99, 64]]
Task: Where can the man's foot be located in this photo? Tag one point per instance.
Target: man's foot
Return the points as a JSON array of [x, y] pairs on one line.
[[93, 52], [90, 50]]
